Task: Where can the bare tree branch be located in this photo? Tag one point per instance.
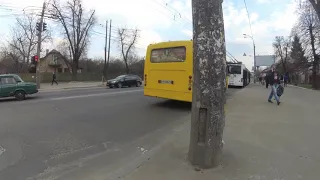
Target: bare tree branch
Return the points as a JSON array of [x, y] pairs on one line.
[[76, 27], [281, 47], [127, 42], [309, 29], [24, 36]]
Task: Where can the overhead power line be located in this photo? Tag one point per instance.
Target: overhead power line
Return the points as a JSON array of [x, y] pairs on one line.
[[245, 4]]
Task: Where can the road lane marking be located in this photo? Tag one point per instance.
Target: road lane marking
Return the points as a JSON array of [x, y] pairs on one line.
[[70, 89], [94, 95]]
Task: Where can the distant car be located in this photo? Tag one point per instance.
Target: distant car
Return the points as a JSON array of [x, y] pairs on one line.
[[11, 85], [128, 80]]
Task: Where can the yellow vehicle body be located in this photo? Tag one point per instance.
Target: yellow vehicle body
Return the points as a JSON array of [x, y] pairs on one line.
[[168, 70]]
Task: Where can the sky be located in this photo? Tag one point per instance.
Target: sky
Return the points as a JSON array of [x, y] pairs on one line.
[[164, 20]]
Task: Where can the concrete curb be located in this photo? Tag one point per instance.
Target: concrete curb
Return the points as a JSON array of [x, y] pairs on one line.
[[301, 87]]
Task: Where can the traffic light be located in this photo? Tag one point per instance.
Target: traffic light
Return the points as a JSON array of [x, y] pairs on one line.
[[38, 26], [44, 26], [34, 59], [33, 64]]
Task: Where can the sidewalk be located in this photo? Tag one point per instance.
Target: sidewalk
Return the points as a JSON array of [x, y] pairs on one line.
[[263, 141], [69, 85]]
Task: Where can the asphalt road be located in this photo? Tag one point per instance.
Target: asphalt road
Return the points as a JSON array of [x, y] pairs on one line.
[[54, 132]]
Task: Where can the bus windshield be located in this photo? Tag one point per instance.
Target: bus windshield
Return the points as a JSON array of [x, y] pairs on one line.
[[235, 70]]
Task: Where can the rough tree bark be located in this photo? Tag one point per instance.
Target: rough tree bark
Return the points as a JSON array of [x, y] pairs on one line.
[[209, 71]]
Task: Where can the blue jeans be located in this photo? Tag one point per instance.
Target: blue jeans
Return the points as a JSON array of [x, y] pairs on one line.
[[274, 92]]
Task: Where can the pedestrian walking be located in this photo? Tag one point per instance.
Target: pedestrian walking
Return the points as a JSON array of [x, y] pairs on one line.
[[266, 79], [274, 82], [260, 80], [54, 77]]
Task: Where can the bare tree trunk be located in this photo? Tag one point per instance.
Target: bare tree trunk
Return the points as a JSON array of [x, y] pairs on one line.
[[284, 67], [127, 44], [127, 67], [315, 57], [76, 27], [316, 6], [74, 72]]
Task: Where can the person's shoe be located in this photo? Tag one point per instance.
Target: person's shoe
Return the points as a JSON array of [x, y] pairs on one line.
[[270, 101], [278, 103]]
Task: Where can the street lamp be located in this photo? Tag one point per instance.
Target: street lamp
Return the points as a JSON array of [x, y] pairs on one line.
[[254, 55]]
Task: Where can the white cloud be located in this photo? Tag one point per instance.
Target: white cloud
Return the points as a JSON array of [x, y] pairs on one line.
[[263, 1], [266, 1], [279, 22], [188, 33], [148, 37]]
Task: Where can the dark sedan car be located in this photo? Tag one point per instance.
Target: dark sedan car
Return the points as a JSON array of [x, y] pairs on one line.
[[128, 80]]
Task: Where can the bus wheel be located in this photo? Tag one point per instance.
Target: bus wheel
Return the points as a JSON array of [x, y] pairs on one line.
[[119, 85]]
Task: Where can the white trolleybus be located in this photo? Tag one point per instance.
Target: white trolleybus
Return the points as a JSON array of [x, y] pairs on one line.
[[239, 75]]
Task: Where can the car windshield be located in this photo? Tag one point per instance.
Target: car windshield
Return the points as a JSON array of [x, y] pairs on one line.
[[18, 78], [120, 77]]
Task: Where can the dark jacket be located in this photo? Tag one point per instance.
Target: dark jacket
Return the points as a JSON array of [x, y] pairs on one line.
[[271, 78]]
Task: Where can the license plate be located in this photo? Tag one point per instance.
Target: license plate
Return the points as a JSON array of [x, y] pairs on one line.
[[165, 82]]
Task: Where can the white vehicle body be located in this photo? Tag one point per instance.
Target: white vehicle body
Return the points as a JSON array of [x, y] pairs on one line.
[[239, 75]]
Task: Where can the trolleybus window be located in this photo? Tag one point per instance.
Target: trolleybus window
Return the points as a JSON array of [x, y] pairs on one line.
[[173, 54], [235, 70]]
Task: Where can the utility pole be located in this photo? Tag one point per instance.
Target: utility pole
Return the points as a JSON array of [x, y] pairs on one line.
[[105, 53], [38, 75], [254, 57], [109, 45], [208, 94]]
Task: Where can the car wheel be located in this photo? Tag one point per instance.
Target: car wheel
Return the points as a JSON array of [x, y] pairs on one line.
[[119, 85], [20, 95], [138, 84]]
